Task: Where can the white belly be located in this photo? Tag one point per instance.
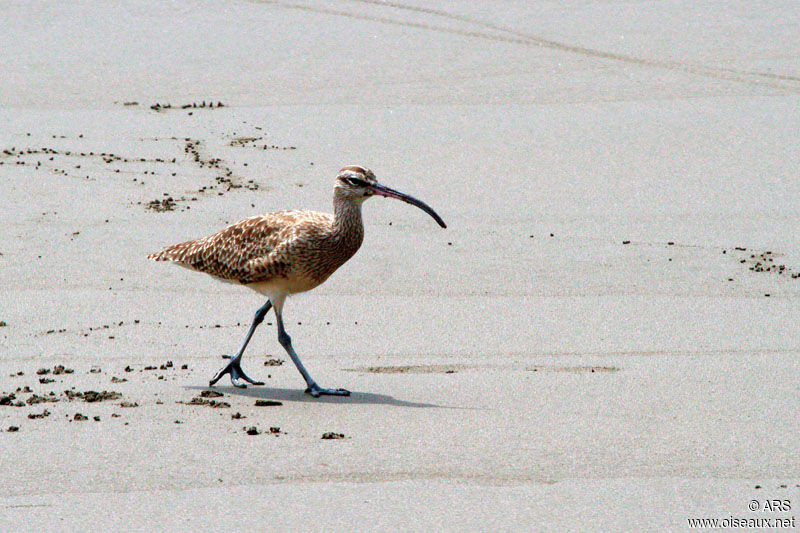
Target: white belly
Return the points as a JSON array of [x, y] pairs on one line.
[[292, 285]]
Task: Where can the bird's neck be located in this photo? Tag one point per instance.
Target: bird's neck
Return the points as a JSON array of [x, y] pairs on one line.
[[347, 224]]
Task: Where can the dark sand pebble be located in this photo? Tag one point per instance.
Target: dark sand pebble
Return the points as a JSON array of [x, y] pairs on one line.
[[210, 394], [91, 396], [330, 435], [8, 399], [43, 414], [252, 430], [34, 399], [211, 403], [267, 403]]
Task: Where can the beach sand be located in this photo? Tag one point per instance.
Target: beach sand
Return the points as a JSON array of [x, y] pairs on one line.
[[604, 338]]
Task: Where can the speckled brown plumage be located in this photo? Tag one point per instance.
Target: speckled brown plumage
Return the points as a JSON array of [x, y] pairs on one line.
[[304, 246], [301, 249], [284, 253]]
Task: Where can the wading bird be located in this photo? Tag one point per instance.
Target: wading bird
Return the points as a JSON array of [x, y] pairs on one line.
[[284, 253]]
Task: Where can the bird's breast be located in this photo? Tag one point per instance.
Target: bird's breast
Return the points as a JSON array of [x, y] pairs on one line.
[[315, 260], [331, 254]]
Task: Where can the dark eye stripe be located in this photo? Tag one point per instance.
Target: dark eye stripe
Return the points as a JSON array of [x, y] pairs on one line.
[[357, 182]]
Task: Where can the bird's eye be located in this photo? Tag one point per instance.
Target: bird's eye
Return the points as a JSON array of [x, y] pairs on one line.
[[355, 182]]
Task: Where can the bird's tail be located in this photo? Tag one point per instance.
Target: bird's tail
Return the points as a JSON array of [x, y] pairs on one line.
[[159, 256], [176, 252]]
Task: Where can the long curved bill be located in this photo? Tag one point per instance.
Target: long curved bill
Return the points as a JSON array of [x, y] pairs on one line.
[[383, 190]]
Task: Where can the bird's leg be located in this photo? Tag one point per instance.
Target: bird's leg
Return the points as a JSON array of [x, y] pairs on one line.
[[234, 367], [313, 389]]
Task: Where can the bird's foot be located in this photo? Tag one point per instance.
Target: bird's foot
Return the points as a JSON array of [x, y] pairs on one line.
[[316, 391], [234, 368]]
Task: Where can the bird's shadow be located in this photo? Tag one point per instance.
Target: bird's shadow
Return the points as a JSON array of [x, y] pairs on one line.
[[298, 395]]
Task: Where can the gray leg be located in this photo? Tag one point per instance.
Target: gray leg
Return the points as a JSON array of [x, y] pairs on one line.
[[313, 389], [234, 368]]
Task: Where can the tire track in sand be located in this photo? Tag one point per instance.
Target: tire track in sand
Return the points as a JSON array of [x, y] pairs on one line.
[[749, 77]]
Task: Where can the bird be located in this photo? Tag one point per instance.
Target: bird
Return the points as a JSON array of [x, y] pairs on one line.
[[287, 252]]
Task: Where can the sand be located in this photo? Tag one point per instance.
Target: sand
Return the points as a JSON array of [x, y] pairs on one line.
[[604, 338]]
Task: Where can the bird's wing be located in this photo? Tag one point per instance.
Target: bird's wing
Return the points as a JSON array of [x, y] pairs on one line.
[[243, 252], [292, 251]]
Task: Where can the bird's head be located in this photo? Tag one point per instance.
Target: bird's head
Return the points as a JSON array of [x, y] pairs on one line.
[[357, 183]]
